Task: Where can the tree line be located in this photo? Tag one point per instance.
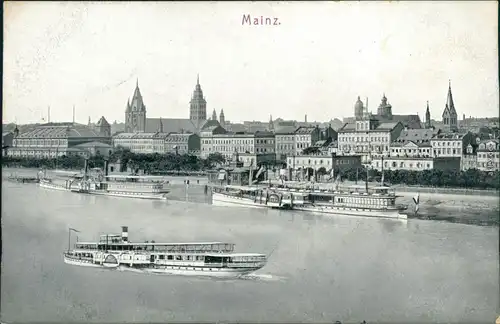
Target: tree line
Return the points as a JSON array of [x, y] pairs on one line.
[[173, 163], [472, 178], [149, 163]]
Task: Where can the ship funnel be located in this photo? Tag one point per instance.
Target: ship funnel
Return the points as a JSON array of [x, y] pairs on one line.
[[106, 167], [124, 233], [86, 166]]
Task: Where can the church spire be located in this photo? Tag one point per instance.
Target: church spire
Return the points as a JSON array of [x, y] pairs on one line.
[[214, 115], [427, 116], [198, 79], [449, 100]]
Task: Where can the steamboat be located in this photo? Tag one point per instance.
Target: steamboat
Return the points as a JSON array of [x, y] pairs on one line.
[[378, 201], [250, 196], [375, 202], [253, 197], [97, 182], [212, 259]]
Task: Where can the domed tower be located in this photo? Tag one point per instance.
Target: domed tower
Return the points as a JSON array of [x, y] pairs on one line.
[[271, 123], [384, 109], [198, 104], [222, 118], [358, 109]]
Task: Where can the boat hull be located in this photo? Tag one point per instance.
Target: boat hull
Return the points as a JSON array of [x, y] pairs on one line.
[[123, 194], [53, 186], [168, 270], [378, 213], [229, 201]]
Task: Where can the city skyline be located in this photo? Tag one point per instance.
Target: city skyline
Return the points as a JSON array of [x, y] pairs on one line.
[[303, 66]]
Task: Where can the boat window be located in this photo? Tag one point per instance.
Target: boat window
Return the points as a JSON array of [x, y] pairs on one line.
[[178, 257], [162, 257], [170, 257], [189, 258]]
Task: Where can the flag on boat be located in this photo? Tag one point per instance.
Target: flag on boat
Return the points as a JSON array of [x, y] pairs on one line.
[[416, 199], [74, 230], [259, 172]]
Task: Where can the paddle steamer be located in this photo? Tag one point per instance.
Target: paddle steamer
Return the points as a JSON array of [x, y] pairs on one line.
[[213, 259]]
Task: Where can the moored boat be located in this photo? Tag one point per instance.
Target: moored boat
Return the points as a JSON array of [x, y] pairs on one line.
[[213, 259], [375, 202], [254, 197]]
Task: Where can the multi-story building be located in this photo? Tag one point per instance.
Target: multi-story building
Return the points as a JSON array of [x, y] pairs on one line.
[[148, 143], [7, 138], [285, 142], [415, 163], [141, 143], [368, 137], [488, 155], [55, 139], [414, 143], [326, 161], [306, 137], [469, 159], [451, 144], [227, 143], [182, 143]]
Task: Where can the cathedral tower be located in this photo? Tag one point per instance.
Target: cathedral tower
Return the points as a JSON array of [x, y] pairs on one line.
[[135, 113], [384, 109], [198, 104], [358, 109], [214, 115], [222, 118], [449, 113]]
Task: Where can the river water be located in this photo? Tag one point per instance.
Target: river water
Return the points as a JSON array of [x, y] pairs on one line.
[[321, 269]]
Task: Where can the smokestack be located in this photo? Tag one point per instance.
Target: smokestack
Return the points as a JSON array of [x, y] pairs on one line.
[[86, 165], [106, 163], [125, 234]]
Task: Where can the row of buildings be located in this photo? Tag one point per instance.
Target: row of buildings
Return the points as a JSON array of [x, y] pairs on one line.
[[379, 140]]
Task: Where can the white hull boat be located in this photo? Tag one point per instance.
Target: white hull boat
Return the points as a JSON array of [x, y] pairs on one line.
[[213, 259], [364, 212]]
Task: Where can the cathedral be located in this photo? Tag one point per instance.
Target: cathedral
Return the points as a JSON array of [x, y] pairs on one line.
[[136, 120]]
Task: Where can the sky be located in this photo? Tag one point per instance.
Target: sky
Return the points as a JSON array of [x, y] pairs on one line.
[[317, 61]]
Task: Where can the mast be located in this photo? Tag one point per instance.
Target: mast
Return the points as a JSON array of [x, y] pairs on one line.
[[382, 179], [69, 239]]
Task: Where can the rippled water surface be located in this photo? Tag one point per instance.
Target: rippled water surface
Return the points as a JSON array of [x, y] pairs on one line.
[[322, 268]]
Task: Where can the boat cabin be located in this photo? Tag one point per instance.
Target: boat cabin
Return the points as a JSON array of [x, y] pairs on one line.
[[115, 243]]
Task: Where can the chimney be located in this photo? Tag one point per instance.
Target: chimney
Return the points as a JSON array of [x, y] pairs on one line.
[[86, 165], [106, 167], [125, 234]]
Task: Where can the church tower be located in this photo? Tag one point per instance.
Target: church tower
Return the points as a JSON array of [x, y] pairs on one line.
[[358, 109], [135, 113], [450, 114], [427, 117], [385, 109], [214, 115], [222, 118], [271, 124], [198, 104]]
